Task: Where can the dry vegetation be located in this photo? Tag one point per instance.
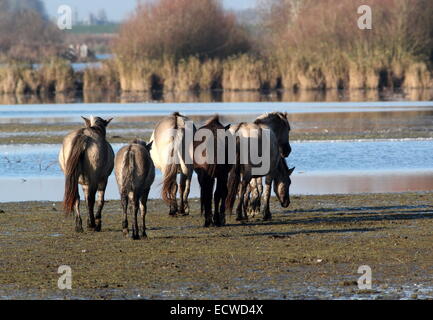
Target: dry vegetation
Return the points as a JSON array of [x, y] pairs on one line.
[[25, 32], [303, 44]]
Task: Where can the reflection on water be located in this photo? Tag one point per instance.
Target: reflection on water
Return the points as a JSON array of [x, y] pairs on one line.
[[51, 188], [60, 113], [31, 172], [308, 157], [226, 96]]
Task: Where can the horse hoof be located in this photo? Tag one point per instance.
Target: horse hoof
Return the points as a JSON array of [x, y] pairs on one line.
[[144, 236], [125, 232], [267, 218], [135, 237], [79, 230]]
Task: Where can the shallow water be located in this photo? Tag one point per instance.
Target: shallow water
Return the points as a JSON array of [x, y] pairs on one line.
[[66, 112], [32, 173]]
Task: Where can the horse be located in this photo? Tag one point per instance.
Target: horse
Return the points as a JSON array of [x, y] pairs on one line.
[[86, 158], [278, 122], [173, 154], [209, 169], [278, 128], [135, 174]]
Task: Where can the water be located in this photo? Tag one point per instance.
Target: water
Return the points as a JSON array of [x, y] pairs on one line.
[[31, 172], [67, 112]]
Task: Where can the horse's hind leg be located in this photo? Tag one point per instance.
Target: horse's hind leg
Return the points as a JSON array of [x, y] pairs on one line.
[[135, 229], [173, 206], [90, 195], [220, 201], [185, 189], [78, 220], [101, 203], [242, 206], [124, 201], [182, 185], [207, 200], [143, 210]]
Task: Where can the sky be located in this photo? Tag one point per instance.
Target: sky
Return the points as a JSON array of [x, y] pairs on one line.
[[118, 10]]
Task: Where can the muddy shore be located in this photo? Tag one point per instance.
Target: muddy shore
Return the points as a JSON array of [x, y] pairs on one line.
[[311, 251], [305, 127]]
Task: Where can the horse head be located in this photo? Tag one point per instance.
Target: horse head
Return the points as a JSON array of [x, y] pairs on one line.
[[282, 183]]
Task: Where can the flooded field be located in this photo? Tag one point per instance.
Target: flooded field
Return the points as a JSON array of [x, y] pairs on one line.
[[322, 167]]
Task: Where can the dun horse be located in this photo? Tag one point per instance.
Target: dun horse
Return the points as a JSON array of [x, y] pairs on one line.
[[242, 173], [87, 158], [135, 174], [209, 169], [172, 154]]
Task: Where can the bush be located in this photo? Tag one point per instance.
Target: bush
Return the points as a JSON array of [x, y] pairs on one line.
[[178, 29], [25, 33], [320, 45]]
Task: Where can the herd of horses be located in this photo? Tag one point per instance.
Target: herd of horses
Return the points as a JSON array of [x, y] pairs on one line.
[[87, 159]]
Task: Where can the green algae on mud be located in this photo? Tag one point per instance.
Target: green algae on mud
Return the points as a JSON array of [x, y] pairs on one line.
[[312, 250]]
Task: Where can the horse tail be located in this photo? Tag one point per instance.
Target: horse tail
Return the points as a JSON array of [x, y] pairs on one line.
[[172, 169], [169, 183], [233, 184], [72, 172]]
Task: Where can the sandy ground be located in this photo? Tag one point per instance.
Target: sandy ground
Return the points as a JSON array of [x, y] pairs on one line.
[[311, 251]]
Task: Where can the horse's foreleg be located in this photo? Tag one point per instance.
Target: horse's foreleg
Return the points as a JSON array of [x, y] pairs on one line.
[[78, 220], [89, 195], [143, 210], [257, 196], [101, 203], [267, 196], [186, 185], [124, 201]]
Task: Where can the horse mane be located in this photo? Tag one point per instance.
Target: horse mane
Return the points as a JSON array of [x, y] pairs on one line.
[[215, 120], [263, 119], [139, 142]]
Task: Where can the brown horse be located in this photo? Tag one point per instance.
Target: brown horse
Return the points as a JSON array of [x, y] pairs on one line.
[[172, 153], [277, 127], [87, 158], [135, 174], [209, 168]]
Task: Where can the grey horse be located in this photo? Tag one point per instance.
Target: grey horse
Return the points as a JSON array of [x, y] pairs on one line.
[[277, 126], [135, 174], [87, 158], [173, 154]]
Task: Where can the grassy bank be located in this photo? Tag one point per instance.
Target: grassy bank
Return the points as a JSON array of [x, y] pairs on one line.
[[319, 241], [238, 73], [246, 72]]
